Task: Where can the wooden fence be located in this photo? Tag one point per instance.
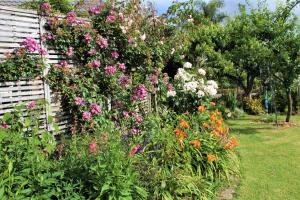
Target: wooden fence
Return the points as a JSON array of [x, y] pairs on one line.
[[15, 26]]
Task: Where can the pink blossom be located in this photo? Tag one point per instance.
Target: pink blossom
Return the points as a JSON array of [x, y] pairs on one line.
[[110, 70], [115, 54], [86, 116], [87, 38], [140, 92], [125, 114], [31, 105], [4, 125], [70, 52], [153, 79], [95, 109], [92, 52], [30, 44], [93, 147], [95, 10], [51, 21], [79, 101], [124, 81], [45, 8], [111, 19], [130, 40], [43, 51], [102, 42], [122, 67], [135, 150], [96, 63], [71, 18], [138, 118]]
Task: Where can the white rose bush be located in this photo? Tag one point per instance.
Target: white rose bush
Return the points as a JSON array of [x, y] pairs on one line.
[[192, 87]]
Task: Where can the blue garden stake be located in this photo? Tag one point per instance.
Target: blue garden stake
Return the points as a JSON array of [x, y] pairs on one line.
[[266, 101]]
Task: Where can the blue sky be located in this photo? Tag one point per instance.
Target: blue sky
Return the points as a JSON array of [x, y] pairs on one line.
[[231, 6]]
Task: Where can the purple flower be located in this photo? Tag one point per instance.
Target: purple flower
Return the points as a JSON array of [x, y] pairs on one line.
[[102, 42], [86, 116], [30, 44], [92, 52], [4, 125], [31, 105], [71, 18], [115, 54], [124, 81], [95, 109], [95, 10], [110, 70], [122, 67], [43, 51], [79, 101], [111, 19], [140, 92], [70, 52], [45, 8], [96, 63]]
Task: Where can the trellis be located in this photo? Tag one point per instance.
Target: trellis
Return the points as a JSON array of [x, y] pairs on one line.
[[15, 26]]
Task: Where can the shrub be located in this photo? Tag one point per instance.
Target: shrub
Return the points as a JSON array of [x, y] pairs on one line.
[[253, 106]]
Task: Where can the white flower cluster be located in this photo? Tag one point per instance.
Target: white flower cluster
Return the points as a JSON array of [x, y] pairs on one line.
[[194, 83]]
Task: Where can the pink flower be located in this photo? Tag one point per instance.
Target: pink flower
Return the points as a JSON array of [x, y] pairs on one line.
[[96, 63], [110, 70], [124, 81], [93, 147], [62, 63], [31, 105], [79, 101], [111, 19], [140, 92], [86, 116], [45, 8], [71, 18], [30, 44], [51, 21], [87, 38], [135, 150], [95, 109], [138, 118], [153, 79], [115, 54], [102, 42], [70, 52], [4, 125], [125, 114], [130, 40], [122, 67], [95, 10], [43, 51], [92, 52]]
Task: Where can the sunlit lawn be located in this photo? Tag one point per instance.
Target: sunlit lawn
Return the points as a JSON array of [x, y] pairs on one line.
[[270, 160]]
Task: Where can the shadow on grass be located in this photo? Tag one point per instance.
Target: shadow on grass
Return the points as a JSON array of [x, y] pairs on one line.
[[247, 126]]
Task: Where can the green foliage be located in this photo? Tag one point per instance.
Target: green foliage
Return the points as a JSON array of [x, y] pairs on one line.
[[62, 6], [21, 66]]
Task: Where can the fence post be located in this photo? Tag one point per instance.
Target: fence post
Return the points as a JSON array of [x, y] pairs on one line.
[[47, 91]]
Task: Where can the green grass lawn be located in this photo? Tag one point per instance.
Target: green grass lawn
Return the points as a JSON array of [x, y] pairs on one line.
[[270, 160]]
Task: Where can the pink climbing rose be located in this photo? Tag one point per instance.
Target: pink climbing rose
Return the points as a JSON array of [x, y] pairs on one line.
[[95, 109], [31, 105], [86, 116], [110, 70]]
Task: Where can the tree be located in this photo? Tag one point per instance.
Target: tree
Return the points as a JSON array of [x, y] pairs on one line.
[[211, 10]]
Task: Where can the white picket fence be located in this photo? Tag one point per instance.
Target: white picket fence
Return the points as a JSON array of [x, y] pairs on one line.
[[15, 26]]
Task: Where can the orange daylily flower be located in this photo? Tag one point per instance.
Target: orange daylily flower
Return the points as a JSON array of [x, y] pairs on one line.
[[231, 144], [219, 122], [196, 143], [213, 118], [180, 134], [184, 124], [201, 109], [211, 157], [206, 125]]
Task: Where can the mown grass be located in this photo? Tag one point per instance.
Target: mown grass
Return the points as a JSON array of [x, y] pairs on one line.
[[270, 160]]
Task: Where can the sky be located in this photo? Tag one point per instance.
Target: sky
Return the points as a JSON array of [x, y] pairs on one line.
[[231, 6]]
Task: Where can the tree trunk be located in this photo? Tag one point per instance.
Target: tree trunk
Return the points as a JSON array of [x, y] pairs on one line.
[[249, 87], [290, 105]]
